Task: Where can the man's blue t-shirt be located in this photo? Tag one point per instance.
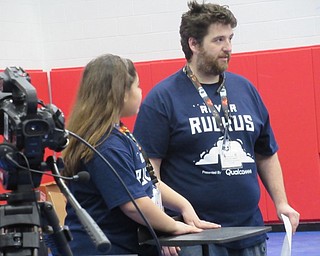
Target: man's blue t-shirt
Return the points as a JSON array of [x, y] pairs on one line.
[[175, 124], [104, 193]]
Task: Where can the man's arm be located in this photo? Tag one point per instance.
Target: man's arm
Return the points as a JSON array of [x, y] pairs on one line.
[[270, 172]]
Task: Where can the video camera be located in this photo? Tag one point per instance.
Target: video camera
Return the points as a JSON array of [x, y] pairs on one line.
[[26, 128], [28, 225]]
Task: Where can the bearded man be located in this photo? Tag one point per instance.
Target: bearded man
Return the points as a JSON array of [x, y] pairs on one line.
[[208, 135]]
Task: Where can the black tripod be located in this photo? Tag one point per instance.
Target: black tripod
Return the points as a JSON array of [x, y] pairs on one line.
[[26, 224]]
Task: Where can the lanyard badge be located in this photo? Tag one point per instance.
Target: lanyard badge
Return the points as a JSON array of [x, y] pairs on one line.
[[229, 158]]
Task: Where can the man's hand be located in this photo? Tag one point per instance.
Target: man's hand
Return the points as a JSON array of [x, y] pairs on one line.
[[291, 213]]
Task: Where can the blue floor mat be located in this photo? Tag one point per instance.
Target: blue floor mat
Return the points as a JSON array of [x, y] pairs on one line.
[[306, 243]]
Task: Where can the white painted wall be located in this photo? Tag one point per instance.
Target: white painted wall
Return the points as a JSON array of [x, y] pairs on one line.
[[21, 37], [46, 34]]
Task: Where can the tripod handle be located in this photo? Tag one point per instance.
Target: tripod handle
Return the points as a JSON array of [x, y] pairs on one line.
[[60, 237]]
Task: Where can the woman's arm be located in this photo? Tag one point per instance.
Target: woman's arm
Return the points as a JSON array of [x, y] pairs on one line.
[[176, 202], [158, 219]]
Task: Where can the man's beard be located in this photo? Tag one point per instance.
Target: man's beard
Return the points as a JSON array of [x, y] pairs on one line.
[[210, 65]]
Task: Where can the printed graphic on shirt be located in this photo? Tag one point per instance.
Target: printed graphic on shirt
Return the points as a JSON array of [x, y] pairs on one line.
[[231, 160], [142, 177], [236, 155], [142, 174], [201, 124]]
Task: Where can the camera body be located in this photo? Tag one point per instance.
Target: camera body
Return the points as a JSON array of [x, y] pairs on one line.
[[27, 128]]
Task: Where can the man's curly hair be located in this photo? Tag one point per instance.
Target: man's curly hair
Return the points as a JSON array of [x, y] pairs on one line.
[[196, 21]]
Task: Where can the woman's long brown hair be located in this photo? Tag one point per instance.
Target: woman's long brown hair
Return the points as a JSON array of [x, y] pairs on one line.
[[98, 106]]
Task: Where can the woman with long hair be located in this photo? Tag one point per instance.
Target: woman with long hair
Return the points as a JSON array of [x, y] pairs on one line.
[[109, 90]]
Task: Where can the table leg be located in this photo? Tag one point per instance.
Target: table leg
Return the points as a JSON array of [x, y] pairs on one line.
[[205, 250]]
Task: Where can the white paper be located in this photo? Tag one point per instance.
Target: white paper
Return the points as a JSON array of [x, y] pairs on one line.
[[287, 242]]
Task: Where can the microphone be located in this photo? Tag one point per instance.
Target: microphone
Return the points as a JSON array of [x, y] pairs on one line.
[[82, 177], [100, 240]]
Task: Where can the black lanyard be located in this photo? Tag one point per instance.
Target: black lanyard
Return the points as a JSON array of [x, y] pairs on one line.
[[124, 130], [224, 104]]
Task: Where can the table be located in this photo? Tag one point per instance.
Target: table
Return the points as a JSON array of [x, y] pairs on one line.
[[206, 237]]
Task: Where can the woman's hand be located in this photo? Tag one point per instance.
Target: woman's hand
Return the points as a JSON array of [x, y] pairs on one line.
[[170, 251], [190, 217], [181, 228]]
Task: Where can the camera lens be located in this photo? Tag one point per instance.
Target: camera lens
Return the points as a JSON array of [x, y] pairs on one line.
[[35, 128]]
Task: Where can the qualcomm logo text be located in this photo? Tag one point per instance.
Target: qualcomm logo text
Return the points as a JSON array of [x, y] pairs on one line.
[[230, 172]]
